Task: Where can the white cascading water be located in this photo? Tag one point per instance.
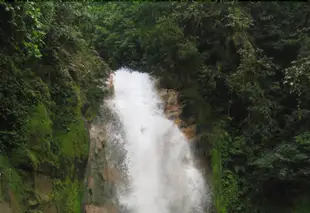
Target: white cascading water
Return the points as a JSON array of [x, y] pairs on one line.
[[159, 175]]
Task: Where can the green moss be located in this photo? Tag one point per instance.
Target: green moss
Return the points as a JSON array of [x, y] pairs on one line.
[[77, 99], [90, 114], [39, 124], [74, 141], [38, 131], [40, 136], [10, 176], [224, 181], [15, 185], [69, 129], [67, 195], [217, 176]]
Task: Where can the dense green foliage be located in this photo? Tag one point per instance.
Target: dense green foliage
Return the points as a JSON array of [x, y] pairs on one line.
[[243, 72], [50, 86], [242, 69]]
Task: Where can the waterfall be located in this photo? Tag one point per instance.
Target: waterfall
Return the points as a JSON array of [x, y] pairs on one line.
[[153, 155]]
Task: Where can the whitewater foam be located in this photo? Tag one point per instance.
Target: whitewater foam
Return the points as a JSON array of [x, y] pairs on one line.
[[156, 162]]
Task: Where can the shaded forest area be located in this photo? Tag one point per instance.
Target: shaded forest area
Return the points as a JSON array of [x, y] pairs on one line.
[[242, 69], [50, 86]]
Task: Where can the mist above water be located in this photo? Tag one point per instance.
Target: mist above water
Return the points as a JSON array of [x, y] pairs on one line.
[[154, 156]]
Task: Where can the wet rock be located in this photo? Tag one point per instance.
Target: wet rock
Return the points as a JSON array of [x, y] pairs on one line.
[[101, 209], [111, 174], [100, 177], [173, 111], [189, 131], [93, 209], [98, 137], [90, 182]]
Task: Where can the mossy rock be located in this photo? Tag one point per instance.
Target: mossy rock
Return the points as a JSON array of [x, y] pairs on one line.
[[68, 195], [74, 140]]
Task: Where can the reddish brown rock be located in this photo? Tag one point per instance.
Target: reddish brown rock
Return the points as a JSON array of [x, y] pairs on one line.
[[189, 132], [111, 174], [178, 121], [94, 209], [173, 111], [100, 209], [110, 208], [172, 108], [90, 182], [98, 137]]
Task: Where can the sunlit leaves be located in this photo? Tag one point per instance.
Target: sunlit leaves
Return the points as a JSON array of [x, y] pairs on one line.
[[297, 76]]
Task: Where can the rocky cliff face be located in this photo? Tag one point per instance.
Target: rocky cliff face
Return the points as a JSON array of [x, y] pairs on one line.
[[100, 178], [173, 111]]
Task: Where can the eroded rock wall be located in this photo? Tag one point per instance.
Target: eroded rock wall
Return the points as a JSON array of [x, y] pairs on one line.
[[101, 178], [173, 111]]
